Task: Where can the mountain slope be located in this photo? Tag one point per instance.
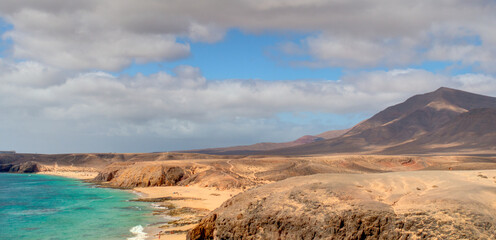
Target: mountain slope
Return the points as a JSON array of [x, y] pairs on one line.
[[416, 118], [470, 131]]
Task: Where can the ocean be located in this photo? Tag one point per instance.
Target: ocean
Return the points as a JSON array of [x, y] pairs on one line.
[[49, 207]]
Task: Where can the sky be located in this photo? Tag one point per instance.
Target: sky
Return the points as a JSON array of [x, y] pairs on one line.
[[150, 76]]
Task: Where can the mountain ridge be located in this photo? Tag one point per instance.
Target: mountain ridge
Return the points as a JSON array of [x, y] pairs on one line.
[[407, 127], [267, 146], [417, 117]]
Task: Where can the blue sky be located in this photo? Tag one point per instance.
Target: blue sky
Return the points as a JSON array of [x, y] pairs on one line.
[[4, 43], [242, 55], [147, 76]]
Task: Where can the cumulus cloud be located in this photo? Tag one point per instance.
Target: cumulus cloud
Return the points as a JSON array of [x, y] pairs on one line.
[[72, 41], [181, 109], [462, 44], [185, 95], [109, 34]]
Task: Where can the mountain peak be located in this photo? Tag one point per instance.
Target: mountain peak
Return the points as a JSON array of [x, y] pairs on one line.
[[446, 89]]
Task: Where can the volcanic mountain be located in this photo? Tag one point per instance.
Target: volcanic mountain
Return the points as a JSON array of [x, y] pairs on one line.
[[440, 121], [470, 132]]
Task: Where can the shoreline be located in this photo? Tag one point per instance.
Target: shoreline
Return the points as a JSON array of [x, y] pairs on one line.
[[135, 231], [85, 175], [184, 207], [187, 204]]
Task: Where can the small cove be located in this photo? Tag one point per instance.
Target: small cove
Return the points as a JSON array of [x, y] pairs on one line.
[[49, 207]]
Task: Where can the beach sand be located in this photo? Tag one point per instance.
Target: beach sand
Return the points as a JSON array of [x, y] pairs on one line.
[[193, 197], [76, 175], [82, 173]]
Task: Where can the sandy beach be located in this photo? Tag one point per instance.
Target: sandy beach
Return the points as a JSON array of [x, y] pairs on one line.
[[70, 174], [82, 173], [188, 204]]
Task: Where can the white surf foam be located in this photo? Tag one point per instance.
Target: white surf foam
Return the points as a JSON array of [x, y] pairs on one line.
[[157, 206], [138, 232], [168, 218]]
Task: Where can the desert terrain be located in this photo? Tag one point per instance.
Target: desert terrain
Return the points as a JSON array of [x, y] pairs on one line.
[[407, 205], [188, 187]]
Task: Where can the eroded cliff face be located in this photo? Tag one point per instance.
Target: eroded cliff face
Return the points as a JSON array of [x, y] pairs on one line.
[[26, 167], [145, 175], [414, 205]]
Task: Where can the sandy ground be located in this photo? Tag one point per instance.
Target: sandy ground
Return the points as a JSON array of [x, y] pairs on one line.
[[420, 204], [83, 173], [71, 174], [200, 198]]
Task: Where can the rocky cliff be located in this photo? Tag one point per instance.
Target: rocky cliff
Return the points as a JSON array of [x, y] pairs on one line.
[[171, 173], [26, 167]]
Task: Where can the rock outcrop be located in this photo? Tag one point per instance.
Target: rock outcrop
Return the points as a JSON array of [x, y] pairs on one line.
[[244, 172], [26, 167], [149, 174], [413, 205]]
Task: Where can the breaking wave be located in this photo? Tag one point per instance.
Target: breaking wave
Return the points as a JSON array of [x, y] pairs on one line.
[[138, 232]]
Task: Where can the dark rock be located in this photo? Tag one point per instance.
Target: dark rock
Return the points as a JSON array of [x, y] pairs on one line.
[[27, 167], [5, 167]]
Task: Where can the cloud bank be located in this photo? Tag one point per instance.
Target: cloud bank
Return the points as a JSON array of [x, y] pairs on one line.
[[183, 104], [111, 34]]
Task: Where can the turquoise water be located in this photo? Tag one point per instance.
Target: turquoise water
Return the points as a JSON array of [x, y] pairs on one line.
[[49, 207]]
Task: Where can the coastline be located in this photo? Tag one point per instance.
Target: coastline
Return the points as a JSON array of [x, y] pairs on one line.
[[130, 217], [184, 206], [85, 174]]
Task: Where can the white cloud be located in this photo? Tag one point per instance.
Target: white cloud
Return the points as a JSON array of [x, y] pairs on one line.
[[186, 96], [73, 42], [205, 33], [356, 53], [459, 44], [183, 110], [110, 34]]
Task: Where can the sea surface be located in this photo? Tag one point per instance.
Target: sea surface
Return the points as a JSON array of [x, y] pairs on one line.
[[49, 207]]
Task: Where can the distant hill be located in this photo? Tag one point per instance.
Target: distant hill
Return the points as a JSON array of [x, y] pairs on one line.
[[267, 146], [446, 120]]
